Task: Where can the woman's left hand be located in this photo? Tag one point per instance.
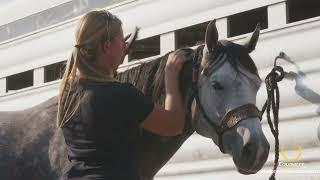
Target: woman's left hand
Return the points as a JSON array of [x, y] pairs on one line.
[[126, 49], [129, 39]]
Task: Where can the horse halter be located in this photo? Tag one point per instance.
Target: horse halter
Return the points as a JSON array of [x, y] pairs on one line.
[[232, 118]]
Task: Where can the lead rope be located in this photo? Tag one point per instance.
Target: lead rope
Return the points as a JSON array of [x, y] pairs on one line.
[[272, 102]]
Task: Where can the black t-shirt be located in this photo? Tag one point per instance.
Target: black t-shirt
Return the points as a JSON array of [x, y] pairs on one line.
[[103, 136]]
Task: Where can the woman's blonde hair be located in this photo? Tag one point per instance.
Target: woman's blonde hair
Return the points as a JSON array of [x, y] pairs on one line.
[[94, 28]]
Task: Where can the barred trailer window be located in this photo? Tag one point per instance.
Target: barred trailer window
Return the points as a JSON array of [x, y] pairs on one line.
[[145, 48], [246, 22], [298, 10], [191, 36], [54, 72], [19, 81]]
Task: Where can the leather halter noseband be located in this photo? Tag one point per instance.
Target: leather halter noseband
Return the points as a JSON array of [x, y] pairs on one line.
[[232, 118]]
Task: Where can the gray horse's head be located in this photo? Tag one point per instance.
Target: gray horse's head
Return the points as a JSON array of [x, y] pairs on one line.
[[229, 81]]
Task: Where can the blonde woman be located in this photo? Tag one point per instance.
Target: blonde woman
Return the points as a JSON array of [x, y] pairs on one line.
[[100, 118]]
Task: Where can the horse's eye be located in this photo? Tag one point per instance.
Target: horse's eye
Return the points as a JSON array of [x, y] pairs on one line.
[[217, 86]]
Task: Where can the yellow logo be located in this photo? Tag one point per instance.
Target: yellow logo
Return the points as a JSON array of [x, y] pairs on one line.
[[291, 162]]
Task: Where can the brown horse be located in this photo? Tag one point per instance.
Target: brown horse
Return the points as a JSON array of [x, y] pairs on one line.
[[32, 148]]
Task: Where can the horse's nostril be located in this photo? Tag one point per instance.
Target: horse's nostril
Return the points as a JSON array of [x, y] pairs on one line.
[[246, 150], [249, 153]]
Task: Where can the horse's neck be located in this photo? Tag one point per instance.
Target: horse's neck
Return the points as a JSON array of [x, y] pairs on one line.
[[157, 151]]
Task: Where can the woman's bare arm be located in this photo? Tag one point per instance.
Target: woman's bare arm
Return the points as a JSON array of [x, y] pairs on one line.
[[170, 120]]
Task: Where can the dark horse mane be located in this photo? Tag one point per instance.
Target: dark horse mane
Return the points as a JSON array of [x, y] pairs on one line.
[[149, 77]]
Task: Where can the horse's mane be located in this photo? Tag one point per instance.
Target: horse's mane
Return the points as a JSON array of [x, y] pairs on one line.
[[149, 77]]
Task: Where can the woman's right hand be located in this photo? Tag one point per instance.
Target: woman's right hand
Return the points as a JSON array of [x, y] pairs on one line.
[[174, 63]]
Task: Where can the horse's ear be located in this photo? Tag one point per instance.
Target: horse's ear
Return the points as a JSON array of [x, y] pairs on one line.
[[251, 42], [211, 37]]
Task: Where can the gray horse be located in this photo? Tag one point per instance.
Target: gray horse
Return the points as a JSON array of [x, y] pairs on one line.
[[32, 148]]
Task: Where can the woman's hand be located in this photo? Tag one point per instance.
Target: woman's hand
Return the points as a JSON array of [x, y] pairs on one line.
[[126, 44], [129, 39], [174, 64]]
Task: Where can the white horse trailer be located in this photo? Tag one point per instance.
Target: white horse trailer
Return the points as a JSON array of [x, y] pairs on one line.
[[35, 41]]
